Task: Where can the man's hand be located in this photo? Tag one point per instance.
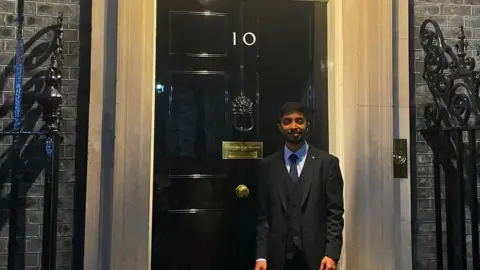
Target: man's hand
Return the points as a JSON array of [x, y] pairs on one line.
[[261, 265], [327, 264]]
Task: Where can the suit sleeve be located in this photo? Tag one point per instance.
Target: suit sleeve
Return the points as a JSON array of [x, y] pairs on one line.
[[335, 210], [262, 214]]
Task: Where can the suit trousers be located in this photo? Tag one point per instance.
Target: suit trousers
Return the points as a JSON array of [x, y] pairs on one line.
[[297, 262]]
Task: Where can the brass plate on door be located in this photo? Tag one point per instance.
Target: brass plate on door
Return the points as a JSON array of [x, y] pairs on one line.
[[242, 150]]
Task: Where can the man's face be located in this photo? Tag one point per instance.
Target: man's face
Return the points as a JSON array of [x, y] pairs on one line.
[[293, 127]]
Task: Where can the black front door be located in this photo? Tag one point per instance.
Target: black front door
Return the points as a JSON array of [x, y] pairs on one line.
[[215, 58]]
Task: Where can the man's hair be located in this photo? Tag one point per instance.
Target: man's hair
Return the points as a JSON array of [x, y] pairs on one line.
[[292, 107]]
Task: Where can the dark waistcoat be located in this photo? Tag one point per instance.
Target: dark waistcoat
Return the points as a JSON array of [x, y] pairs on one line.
[[293, 217]]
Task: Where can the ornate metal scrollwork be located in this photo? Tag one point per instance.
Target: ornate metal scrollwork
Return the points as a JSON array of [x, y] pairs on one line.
[[51, 99], [242, 110], [451, 78]]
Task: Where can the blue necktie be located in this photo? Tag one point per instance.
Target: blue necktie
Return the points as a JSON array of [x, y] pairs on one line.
[[293, 167]]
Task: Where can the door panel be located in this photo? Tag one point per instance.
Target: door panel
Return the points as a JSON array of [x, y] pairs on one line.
[[196, 116], [198, 34], [199, 222]]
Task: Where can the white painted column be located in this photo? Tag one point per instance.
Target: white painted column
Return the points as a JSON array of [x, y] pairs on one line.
[[361, 121], [120, 159]]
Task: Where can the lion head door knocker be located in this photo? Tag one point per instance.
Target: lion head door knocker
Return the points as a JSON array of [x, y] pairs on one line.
[[242, 110]]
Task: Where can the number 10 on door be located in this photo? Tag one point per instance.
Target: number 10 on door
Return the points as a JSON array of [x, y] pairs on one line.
[[248, 38]]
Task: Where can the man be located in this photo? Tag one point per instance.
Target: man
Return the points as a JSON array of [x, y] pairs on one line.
[[300, 219]]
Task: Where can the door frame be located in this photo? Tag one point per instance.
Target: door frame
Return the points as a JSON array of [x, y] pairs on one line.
[[120, 149]]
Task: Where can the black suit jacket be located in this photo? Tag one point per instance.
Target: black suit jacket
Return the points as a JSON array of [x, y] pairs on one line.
[[321, 186]]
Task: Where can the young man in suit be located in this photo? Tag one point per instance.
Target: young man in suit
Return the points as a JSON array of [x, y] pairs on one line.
[[300, 215]]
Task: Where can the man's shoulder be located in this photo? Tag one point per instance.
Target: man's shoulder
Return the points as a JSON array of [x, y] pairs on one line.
[[270, 161], [271, 157], [322, 155]]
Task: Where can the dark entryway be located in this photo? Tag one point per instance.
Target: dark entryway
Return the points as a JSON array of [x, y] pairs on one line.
[[201, 218]]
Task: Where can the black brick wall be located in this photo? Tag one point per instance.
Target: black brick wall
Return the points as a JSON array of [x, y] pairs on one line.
[[40, 14], [450, 14]]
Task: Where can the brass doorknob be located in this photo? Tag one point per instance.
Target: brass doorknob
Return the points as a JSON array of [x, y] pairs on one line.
[[242, 191]]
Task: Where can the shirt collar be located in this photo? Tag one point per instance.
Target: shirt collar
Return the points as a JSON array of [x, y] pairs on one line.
[[301, 153]]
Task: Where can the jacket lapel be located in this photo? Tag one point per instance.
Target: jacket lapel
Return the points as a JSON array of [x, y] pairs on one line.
[[282, 180], [308, 171]]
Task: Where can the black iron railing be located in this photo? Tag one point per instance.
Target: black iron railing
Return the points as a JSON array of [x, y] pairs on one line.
[[452, 123], [50, 100]]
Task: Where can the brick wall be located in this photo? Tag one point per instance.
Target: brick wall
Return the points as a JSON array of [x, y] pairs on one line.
[[450, 14], [38, 15]]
